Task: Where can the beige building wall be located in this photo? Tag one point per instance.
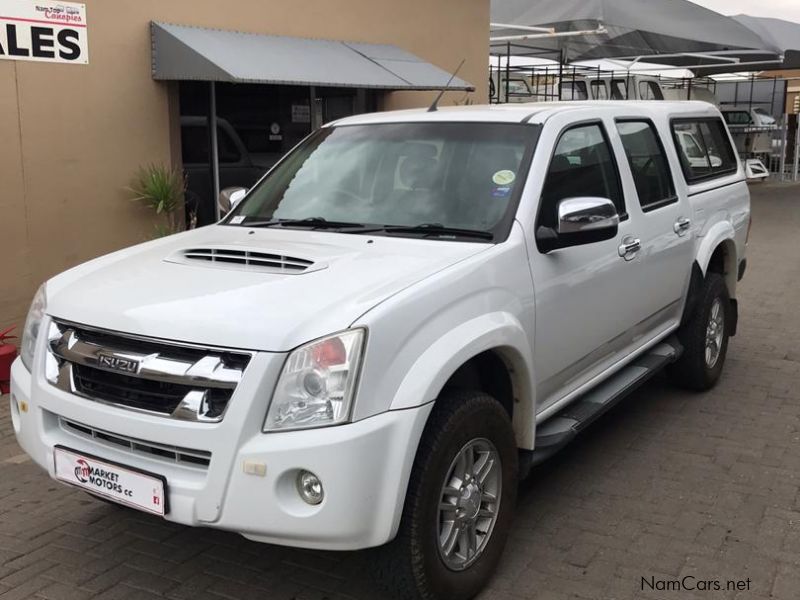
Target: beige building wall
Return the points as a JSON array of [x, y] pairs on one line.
[[793, 89], [72, 136]]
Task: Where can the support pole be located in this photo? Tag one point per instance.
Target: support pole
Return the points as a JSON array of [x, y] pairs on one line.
[[796, 171], [212, 127], [508, 70], [784, 143]]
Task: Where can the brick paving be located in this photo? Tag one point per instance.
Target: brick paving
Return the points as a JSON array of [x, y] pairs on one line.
[[670, 484]]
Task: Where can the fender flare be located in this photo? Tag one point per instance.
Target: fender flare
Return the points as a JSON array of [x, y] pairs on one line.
[[717, 234], [499, 331]]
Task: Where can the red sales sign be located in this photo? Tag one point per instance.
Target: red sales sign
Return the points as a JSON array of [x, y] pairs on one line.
[[43, 31]]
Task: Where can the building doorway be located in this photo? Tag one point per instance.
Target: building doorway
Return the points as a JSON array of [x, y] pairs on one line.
[[256, 125]]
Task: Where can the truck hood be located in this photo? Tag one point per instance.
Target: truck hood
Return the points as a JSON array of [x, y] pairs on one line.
[[272, 290]]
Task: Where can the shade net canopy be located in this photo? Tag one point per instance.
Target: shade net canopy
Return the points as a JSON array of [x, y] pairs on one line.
[[194, 53], [781, 36], [662, 31]]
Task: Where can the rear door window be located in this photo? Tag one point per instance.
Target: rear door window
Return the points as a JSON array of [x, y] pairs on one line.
[[704, 149], [648, 162]]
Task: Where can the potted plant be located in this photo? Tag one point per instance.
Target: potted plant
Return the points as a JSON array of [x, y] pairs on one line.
[[162, 189]]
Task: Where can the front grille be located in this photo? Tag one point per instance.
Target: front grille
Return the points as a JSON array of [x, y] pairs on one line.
[[176, 454], [181, 381], [143, 394]]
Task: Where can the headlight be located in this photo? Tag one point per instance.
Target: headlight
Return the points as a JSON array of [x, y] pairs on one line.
[[316, 386], [32, 325]]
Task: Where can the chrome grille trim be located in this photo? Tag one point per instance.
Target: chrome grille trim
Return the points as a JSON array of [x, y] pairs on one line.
[[184, 456], [167, 379], [209, 371]]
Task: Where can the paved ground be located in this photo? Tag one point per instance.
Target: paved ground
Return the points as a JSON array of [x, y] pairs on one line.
[[669, 485]]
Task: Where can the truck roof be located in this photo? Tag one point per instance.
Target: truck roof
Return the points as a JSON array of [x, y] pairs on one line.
[[534, 112]]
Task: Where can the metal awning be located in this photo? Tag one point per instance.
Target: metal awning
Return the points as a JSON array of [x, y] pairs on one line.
[[194, 53]]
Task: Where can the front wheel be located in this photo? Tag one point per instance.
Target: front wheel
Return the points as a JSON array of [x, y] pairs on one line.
[[459, 505], [705, 338]]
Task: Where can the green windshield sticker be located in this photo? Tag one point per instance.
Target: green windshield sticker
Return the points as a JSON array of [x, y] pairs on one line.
[[504, 177]]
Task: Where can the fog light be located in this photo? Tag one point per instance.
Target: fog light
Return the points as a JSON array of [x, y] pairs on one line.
[[309, 487]]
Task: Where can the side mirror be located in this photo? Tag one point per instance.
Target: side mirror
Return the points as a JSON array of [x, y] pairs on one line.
[[583, 220], [229, 199]]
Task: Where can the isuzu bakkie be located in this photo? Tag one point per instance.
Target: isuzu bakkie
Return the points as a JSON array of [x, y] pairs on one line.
[[402, 317]]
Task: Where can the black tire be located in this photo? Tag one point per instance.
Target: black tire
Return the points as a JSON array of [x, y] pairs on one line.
[[411, 566], [692, 370]]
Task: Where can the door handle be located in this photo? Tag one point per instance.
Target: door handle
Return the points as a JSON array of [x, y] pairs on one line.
[[630, 247], [682, 226]]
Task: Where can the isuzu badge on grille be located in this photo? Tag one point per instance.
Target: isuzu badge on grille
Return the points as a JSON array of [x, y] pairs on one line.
[[127, 365]]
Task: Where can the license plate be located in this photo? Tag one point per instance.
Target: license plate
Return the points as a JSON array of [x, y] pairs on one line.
[[126, 485]]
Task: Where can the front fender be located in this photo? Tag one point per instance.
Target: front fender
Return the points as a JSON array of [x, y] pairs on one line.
[[498, 331]]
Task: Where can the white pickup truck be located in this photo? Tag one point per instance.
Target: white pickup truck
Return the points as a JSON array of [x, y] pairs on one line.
[[402, 317]]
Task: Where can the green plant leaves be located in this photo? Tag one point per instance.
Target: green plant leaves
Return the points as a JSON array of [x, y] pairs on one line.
[[161, 188]]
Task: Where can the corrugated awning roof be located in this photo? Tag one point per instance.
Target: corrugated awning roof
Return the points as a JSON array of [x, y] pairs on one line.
[[194, 53]]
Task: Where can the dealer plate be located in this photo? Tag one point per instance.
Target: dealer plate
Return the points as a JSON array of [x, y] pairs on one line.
[[132, 487]]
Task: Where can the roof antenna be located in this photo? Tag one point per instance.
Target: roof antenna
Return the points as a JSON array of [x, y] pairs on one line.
[[435, 106]]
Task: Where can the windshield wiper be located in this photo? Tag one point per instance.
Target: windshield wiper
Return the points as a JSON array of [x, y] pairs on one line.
[[312, 222], [439, 229]]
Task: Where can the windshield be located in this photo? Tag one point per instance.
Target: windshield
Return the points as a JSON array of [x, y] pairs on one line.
[[451, 175]]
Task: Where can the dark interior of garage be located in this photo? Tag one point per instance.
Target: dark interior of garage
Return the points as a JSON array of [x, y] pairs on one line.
[[256, 125]]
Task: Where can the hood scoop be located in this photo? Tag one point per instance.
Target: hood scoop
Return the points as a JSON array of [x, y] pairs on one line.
[[226, 257]]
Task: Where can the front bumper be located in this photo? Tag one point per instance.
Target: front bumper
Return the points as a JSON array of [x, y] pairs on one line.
[[364, 466]]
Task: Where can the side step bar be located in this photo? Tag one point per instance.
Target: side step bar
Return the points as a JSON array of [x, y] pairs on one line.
[[561, 428]]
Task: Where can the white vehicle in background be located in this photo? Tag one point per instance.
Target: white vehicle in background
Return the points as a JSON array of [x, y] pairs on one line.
[[749, 117], [680, 90], [753, 130], [504, 89], [612, 86], [521, 87], [694, 152], [398, 321], [609, 86]]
